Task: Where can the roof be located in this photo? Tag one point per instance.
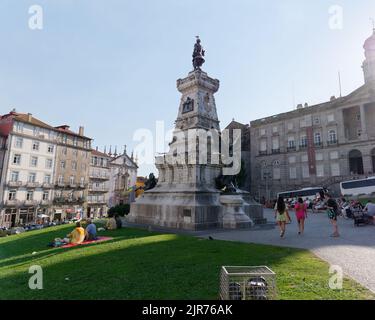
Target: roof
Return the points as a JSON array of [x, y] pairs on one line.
[[99, 154], [307, 110], [28, 118], [121, 155]]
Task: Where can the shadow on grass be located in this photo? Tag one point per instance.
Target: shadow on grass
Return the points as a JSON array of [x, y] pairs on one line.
[[170, 267]]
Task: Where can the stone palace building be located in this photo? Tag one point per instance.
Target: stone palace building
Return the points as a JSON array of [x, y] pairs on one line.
[[318, 145]]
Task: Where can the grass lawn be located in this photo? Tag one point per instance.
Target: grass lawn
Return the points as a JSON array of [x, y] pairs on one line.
[[139, 264]]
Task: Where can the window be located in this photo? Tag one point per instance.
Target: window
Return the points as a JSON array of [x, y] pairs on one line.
[[358, 116], [62, 164], [304, 141], [291, 142], [47, 179], [35, 146], [12, 195], [64, 151], [274, 129], [331, 118], [19, 127], [332, 137], [275, 143], [262, 132], [19, 143], [305, 172], [50, 148], [14, 177], [45, 195], [290, 126], [316, 120], [49, 163], [334, 155], [82, 181], [319, 157], [83, 167], [359, 132], [74, 165], [30, 195], [263, 145], [293, 173], [75, 153], [32, 177], [75, 141], [34, 161], [335, 169], [276, 174], [17, 159], [60, 180], [320, 170], [317, 138], [305, 158], [65, 138], [292, 159], [36, 131], [71, 180]]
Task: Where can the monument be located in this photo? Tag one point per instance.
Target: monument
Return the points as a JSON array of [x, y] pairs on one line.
[[186, 194]]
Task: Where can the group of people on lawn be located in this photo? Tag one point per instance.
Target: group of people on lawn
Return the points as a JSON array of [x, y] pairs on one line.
[[80, 234]]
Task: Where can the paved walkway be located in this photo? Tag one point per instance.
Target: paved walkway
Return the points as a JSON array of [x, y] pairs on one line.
[[354, 251]]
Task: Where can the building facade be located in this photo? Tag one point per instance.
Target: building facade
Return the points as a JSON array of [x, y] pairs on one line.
[[319, 145], [73, 158], [123, 177], [99, 176], [28, 152]]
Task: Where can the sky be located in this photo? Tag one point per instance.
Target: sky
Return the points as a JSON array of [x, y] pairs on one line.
[[112, 65]]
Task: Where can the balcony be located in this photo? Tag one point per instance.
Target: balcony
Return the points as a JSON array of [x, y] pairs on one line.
[[60, 185], [97, 202], [72, 185], [99, 176], [32, 185], [318, 144], [64, 200], [30, 203], [46, 203], [333, 142], [12, 203], [302, 146], [263, 153], [98, 189], [276, 151], [15, 184], [47, 186], [291, 149]]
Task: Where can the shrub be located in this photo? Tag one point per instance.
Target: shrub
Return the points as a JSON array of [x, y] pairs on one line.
[[121, 210]]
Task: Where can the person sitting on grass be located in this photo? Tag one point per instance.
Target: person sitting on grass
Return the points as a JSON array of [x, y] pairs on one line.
[[90, 234], [111, 224], [77, 235]]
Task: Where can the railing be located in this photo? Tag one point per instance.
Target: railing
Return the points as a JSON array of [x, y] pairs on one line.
[[263, 153], [46, 203], [318, 144], [98, 189], [30, 203], [15, 184], [276, 151], [291, 149], [68, 200], [33, 185], [60, 184], [99, 176], [47, 186], [12, 203], [303, 146], [96, 201], [332, 142]]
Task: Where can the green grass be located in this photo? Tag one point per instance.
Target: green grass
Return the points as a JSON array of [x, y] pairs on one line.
[[138, 264]]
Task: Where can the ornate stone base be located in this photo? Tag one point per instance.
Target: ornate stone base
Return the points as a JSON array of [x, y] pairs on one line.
[[177, 209], [234, 216]]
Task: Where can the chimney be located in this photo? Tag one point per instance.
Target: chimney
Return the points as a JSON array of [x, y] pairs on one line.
[[306, 105], [29, 117], [300, 106], [81, 131], [333, 98]]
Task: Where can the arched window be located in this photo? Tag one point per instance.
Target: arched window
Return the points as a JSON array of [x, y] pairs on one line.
[[317, 138]]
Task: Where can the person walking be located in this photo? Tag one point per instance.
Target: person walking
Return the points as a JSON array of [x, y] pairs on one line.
[[281, 215], [332, 209], [301, 214]]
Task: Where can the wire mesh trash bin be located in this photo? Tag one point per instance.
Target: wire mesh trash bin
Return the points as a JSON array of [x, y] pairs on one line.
[[247, 283]]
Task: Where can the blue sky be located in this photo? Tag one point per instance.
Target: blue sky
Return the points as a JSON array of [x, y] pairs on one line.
[[112, 65]]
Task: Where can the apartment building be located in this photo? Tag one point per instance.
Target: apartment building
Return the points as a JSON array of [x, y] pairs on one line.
[[27, 157], [99, 176], [73, 158], [318, 145]]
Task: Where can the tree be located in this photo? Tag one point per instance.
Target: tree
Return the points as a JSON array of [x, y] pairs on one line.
[[121, 210], [241, 176]]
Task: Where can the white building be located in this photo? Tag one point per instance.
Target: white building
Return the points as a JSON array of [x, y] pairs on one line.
[[27, 175], [123, 177]]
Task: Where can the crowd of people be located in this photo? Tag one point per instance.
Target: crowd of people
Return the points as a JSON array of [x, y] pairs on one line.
[[333, 208]]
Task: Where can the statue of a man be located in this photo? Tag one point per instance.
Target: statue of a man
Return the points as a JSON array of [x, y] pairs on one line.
[[198, 55]]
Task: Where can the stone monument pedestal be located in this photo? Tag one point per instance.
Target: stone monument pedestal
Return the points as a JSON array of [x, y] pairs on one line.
[[234, 216]]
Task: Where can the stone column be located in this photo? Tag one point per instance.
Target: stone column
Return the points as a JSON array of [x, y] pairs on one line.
[[364, 135]]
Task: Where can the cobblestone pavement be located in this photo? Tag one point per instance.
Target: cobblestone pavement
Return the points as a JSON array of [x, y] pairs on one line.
[[354, 251]]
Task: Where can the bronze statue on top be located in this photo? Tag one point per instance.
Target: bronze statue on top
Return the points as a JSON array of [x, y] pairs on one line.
[[198, 55]]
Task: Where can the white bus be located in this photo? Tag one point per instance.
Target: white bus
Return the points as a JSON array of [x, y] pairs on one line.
[[309, 193], [363, 187]]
